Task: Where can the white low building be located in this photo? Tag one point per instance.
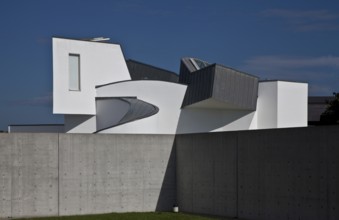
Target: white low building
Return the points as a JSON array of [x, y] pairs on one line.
[[98, 91]]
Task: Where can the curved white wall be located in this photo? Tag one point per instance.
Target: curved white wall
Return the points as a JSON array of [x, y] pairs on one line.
[[171, 119], [166, 96], [100, 63], [280, 104]]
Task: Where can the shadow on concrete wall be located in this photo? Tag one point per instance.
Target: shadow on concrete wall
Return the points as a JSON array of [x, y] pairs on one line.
[[167, 196], [207, 173], [268, 174]]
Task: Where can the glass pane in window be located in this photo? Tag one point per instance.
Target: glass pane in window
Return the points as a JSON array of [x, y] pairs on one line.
[[74, 72]]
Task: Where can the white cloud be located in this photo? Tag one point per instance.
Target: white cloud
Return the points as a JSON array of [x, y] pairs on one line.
[[301, 14], [269, 62], [322, 73], [305, 20]]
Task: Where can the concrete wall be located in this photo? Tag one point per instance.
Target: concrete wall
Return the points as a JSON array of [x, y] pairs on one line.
[[120, 173], [288, 174], [206, 173], [262, 174], [62, 174], [28, 175]]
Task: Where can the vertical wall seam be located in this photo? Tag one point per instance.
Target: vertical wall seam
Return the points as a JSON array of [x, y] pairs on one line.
[[143, 179], [176, 173], [192, 174], [214, 186], [237, 174], [328, 208], [58, 176], [12, 170]]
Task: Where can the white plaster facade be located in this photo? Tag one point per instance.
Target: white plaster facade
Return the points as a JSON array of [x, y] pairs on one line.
[[100, 63], [282, 104], [155, 106]]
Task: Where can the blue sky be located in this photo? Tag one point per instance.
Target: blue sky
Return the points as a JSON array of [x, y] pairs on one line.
[[290, 40]]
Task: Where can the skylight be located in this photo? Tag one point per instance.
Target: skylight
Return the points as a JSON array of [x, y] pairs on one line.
[[199, 64]]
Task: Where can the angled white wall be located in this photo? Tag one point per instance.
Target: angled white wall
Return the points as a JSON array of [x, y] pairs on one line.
[[292, 104], [99, 63], [282, 104], [267, 105]]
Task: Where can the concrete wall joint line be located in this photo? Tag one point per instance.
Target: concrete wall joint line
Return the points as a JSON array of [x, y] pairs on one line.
[[237, 174], [58, 161], [12, 166], [328, 207]]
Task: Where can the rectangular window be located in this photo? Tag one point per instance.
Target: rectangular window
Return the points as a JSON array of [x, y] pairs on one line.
[[74, 72]]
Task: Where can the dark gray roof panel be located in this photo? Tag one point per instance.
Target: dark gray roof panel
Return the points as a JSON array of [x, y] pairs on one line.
[[199, 64], [189, 65], [186, 68], [141, 71], [235, 87], [200, 85], [138, 110], [237, 90]]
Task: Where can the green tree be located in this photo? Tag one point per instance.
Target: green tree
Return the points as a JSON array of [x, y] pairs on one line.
[[331, 114]]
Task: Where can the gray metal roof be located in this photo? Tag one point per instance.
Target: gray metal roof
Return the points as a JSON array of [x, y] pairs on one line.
[[218, 86], [126, 109], [142, 71]]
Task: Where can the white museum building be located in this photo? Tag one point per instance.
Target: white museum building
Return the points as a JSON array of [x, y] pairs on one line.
[[98, 91]]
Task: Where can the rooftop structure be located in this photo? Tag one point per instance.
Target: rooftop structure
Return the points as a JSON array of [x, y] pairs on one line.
[[98, 91]]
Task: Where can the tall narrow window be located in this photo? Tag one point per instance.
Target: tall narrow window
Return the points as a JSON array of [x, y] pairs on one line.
[[74, 72]]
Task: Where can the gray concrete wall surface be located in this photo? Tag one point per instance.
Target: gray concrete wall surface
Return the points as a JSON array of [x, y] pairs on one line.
[[64, 174], [289, 174], [206, 173], [272, 174], [116, 173], [28, 175], [263, 174]]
